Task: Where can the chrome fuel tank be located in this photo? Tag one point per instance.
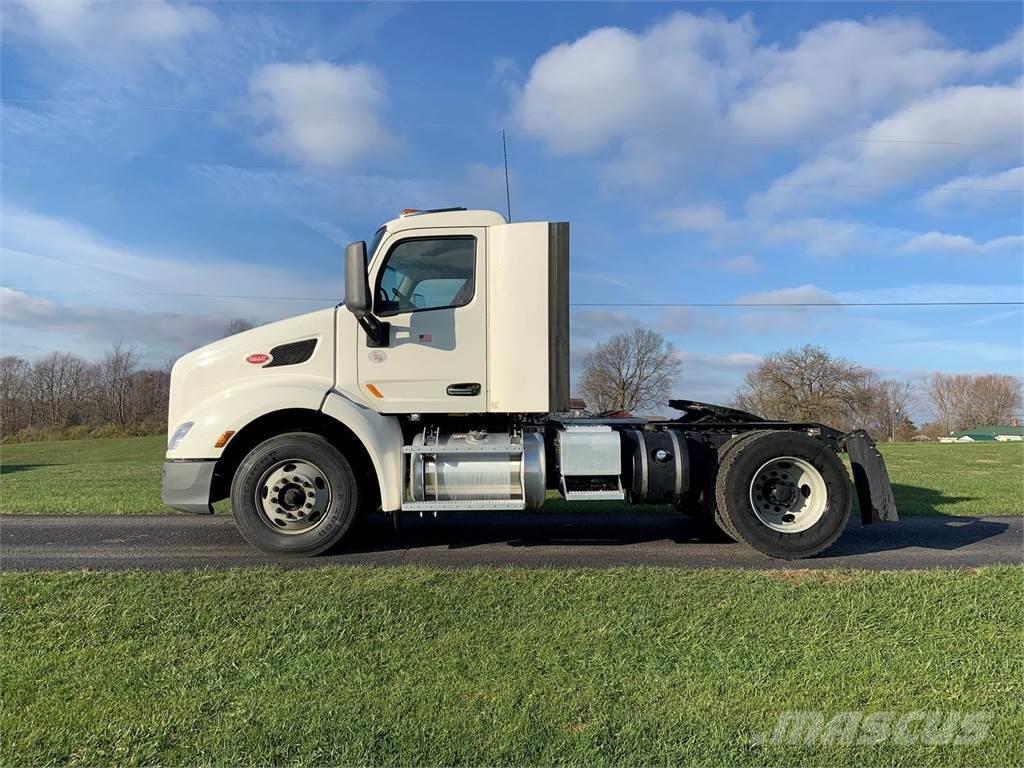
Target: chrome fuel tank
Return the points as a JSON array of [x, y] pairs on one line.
[[477, 466]]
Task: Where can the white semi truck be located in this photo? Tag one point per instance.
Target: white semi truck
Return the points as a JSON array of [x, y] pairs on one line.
[[442, 383]]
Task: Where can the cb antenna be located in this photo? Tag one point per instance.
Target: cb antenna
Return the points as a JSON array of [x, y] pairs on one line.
[[508, 197]]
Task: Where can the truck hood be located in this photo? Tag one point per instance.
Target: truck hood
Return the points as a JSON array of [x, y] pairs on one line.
[[227, 367]]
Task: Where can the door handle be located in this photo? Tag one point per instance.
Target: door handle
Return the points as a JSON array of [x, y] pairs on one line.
[[463, 390]]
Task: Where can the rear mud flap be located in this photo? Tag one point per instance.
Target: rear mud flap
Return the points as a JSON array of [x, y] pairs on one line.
[[871, 479]]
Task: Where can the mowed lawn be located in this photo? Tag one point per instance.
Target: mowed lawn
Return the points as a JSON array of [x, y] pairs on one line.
[[411, 666], [83, 477], [122, 476]]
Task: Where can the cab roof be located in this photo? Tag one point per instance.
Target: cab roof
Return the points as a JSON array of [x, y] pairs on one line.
[[450, 217]]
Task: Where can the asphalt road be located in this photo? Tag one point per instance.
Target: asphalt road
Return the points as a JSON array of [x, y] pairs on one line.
[[462, 540]]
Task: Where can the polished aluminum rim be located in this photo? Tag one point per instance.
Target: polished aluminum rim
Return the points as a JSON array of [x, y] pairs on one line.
[[293, 496], [788, 494]]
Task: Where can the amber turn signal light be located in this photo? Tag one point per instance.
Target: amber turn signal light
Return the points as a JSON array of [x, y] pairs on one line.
[[223, 439]]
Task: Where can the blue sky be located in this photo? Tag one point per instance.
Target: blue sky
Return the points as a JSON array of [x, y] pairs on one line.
[[764, 153]]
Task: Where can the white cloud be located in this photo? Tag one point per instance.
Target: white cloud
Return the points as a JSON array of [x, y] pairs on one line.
[[966, 190], [612, 81], [934, 292], [804, 294], [95, 29], [115, 291], [505, 75], [598, 324], [67, 255], [841, 71], [323, 113], [713, 378], [656, 95], [967, 117], [158, 334], [827, 238], [695, 218], [938, 241], [741, 265], [778, 315], [307, 197]]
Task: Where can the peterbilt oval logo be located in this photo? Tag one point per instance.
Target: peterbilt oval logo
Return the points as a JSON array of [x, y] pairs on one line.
[[258, 358]]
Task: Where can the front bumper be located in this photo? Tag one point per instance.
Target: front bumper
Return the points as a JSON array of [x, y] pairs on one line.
[[186, 485]]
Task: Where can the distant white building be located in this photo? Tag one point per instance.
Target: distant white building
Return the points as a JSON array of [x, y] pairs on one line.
[[1012, 434]]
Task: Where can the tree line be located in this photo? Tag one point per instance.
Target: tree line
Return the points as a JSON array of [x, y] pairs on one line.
[[63, 394], [638, 369]]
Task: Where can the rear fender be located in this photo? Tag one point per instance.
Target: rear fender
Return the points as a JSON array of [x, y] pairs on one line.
[[871, 479]]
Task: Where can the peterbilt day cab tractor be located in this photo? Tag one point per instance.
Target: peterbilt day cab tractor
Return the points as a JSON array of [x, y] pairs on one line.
[[442, 383]]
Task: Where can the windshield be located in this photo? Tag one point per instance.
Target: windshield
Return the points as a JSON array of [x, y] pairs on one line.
[[376, 241]]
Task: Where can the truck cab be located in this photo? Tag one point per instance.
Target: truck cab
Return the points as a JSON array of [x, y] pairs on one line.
[[442, 382]]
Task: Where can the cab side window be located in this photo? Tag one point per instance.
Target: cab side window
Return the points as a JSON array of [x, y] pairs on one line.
[[426, 273]]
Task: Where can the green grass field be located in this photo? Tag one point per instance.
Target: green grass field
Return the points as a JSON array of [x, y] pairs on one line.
[[122, 476], [432, 667]]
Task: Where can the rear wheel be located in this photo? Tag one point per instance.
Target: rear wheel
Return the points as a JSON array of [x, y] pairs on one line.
[[783, 493], [294, 494], [701, 505]]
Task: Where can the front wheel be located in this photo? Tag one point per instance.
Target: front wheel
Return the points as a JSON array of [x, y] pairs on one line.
[[783, 493], [294, 494]]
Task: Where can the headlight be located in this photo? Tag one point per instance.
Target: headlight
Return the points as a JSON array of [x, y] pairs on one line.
[[179, 435]]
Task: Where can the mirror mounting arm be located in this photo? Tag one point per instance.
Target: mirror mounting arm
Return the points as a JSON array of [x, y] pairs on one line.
[[378, 332]]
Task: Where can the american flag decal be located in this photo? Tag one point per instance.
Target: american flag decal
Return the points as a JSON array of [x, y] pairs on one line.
[[427, 337]]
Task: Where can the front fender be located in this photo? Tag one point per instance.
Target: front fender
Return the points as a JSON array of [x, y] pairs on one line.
[[381, 435], [235, 406]]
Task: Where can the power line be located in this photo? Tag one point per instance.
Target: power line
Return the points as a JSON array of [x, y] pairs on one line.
[[636, 305], [738, 138]]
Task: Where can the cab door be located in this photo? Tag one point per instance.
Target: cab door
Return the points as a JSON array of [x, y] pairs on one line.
[[431, 288]]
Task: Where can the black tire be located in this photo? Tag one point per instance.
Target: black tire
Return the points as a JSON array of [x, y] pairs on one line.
[[332, 523], [710, 508], [736, 514]]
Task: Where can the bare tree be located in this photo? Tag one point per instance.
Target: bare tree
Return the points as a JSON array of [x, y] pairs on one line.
[[116, 377], [808, 384], [630, 371], [997, 399], [238, 325], [60, 382], [150, 392], [887, 410], [14, 405], [962, 401]]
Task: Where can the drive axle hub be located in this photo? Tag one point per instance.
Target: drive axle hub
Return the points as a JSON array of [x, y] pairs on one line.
[[788, 494]]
